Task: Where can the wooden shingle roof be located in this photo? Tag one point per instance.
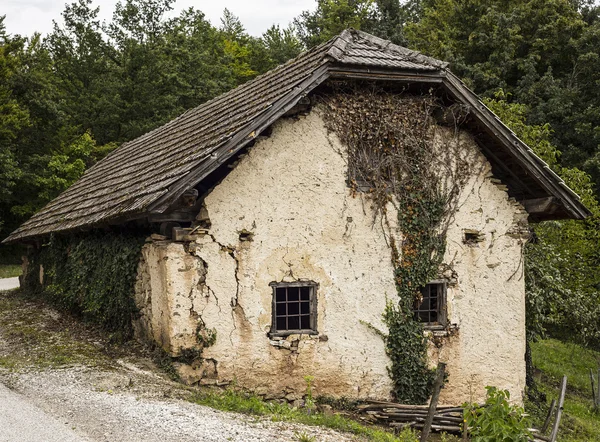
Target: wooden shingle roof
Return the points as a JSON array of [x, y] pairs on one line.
[[148, 174]]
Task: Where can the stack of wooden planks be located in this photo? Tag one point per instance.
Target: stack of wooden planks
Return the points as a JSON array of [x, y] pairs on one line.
[[449, 419]]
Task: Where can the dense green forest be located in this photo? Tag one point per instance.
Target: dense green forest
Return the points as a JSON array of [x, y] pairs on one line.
[[70, 97]]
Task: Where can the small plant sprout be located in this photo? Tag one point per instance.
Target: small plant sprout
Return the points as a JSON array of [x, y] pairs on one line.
[[309, 403], [497, 420], [304, 437]]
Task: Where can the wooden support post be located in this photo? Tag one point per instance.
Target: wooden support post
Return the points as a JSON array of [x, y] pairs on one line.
[[549, 417], [593, 389], [597, 402], [561, 402], [437, 386]]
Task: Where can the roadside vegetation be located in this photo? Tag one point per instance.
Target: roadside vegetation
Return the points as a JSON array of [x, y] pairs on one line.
[[9, 271], [34, 335], [553, 359], [247, 403]]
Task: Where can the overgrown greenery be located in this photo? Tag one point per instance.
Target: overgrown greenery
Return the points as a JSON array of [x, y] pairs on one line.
[[93, 274], [497, 420], [553, 359], [391, 149], [9, 271], [243, 402], [68, 98], [35, 336]]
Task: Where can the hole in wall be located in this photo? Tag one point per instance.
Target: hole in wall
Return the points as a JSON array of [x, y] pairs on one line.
[[473, 237], [245, 235]]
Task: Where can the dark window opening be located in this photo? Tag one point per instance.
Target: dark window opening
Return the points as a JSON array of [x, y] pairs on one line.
[[294, 308], [473, 237], [431, 308]]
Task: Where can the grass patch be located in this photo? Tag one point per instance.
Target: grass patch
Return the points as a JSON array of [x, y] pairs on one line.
[[33, 334], [247, 403], [556, 358], [9, 271], [580, 423]]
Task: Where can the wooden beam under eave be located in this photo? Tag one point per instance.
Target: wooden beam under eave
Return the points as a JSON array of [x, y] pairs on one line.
[[537, 206]]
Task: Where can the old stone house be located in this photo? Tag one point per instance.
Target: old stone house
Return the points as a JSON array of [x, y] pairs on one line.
[[271, 262]]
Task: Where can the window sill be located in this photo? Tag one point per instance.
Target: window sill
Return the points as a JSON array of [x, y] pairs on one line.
[[440, 330], [285, 334], [434, 327]]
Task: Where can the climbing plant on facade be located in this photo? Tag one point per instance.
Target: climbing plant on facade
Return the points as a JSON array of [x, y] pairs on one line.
[[92, 274], [414, 180]]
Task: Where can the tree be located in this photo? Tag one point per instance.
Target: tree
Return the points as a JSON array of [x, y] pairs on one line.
[[85, 72], [544, 52], [242, 51], [563, 261], [280, 45], [330, 18], [13, 118]]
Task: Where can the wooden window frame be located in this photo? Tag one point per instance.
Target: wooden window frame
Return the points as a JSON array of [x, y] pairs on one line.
[[312, 330], [442, 317]]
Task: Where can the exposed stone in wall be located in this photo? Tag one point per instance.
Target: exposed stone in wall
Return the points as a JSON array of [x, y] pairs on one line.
[[285, 213]]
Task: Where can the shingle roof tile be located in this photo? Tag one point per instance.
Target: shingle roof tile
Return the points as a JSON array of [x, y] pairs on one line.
[[126, 183]]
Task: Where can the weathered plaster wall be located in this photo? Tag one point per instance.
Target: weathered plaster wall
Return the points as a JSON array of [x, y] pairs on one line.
[[486, 293], [290, 192]]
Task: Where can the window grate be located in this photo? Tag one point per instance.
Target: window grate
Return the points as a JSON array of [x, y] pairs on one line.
[[294, 307], [431, 309]]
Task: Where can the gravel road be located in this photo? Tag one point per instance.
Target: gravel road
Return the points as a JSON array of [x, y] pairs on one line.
[[85, 404], [20, 420], [9, 283]]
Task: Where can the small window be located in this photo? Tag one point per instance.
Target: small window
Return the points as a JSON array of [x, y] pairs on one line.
[[431, 311], [294, 308]]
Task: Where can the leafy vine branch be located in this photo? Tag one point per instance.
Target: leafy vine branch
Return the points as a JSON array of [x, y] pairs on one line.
[[397, 156], [90, 273]]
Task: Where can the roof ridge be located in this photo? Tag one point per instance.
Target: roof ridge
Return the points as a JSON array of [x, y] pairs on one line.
[[387, 45], [339, 43]]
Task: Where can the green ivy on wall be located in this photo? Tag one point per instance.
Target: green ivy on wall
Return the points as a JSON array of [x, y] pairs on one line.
[[93, 274], [391, 151]]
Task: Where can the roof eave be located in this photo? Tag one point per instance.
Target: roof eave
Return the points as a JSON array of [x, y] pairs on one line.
[[543, 174], [332, 65]]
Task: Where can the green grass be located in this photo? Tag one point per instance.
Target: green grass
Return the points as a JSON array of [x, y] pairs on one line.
[[240, 402], [9, 270], [33, 335], [581, 423]]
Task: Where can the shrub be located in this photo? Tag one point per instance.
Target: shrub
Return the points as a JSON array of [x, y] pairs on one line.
[[497, 420]]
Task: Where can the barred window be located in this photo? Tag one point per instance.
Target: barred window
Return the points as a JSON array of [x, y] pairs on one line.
[[431, 310], [294, 308]]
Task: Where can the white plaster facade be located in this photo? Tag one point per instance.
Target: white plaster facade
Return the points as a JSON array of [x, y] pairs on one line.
[[290, 192]]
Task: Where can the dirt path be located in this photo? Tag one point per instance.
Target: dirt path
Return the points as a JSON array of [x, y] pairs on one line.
[[64, 378]]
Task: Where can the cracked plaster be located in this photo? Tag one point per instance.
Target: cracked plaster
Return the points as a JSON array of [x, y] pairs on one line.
[[290, 194]]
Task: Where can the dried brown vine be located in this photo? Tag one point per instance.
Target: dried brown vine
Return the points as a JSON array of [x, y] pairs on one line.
[[395, 157]]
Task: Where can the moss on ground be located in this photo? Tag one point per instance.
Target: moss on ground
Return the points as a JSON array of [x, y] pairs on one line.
[[34, 335]]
